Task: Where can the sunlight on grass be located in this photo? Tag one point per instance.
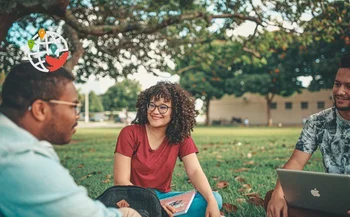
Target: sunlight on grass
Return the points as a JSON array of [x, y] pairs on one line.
[[245, 158]]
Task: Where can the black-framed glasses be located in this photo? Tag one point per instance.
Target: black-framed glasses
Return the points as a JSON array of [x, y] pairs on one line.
[[76, 105], [162, 108]]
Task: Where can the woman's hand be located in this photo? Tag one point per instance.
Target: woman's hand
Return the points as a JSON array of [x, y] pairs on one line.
[[212, 210], [169, 209]]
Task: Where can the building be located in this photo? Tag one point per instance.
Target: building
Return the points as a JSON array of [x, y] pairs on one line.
[[286, 110]]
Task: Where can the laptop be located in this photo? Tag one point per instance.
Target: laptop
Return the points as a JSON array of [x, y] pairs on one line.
[[315, 190]]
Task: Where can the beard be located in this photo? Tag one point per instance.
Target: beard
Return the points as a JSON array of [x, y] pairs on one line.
[[346, 108]]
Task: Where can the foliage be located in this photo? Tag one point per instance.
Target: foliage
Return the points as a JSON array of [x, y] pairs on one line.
[[116, 38], [95, 103], [122, 95]]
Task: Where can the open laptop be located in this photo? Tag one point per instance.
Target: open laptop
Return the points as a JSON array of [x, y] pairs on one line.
[[314, 190]]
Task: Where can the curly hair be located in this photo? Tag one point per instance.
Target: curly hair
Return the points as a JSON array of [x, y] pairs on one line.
[[183, 109]]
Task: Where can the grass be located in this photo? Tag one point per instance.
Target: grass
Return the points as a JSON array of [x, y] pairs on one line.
[[224, 151]]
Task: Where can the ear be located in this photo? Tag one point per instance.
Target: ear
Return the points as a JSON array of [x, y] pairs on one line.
[[40, 110]]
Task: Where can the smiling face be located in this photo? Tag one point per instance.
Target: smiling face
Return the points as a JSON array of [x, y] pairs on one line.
[[341, 90], [159, 113]]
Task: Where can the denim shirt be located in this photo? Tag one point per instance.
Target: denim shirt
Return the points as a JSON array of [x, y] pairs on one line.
[[34, 183], [329, 132]]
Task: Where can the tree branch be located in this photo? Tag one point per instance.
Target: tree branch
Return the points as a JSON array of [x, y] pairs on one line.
[[78, 48], [147, 28]]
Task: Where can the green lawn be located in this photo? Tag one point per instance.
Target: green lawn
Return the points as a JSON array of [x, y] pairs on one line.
[[251, 154]]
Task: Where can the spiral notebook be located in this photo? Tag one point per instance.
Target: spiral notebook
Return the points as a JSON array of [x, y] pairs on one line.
[[180, 202]]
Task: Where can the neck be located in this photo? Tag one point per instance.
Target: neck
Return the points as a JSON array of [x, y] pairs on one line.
[[345, 114], [156, 132], [26, 122]]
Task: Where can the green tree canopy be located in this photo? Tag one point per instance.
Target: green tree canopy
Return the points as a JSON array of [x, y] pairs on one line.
[[95, 103], [122, 95], [116, 38]]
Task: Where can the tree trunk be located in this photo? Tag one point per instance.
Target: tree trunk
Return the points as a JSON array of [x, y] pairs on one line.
[[207, 102], [269, 99]]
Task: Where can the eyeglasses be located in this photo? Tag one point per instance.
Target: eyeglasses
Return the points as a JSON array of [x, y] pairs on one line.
[[76, 105], [162, 108]]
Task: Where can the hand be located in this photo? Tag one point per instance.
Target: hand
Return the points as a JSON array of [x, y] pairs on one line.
[[212, 210], [169, 209], [277, 205], [349, 212]]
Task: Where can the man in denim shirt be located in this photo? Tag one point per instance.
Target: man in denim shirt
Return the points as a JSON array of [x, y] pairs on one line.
[[37, 109]]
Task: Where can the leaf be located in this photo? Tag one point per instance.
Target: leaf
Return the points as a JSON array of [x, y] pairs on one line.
[[253, 194], [256, 201], [81, 166], [245, 188], [239, 179], [240, 200], [240, 170], [249, 162], [229, 208], [222, 184]]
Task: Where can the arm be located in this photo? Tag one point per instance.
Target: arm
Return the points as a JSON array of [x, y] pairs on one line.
[[200, 182], [277, 203], [45, 188], [122, 169]]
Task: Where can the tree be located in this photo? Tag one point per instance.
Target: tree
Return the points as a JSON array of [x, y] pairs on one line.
[[204, 73], [2, 79], [116, 38], [95, 103], [122, 95]]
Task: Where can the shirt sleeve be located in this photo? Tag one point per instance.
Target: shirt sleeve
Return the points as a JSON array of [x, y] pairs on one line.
[[126, 142], [307, 140], [35, 185], [187, 147]]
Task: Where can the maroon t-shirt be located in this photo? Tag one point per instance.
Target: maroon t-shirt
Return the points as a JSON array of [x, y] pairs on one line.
[[151, 168]]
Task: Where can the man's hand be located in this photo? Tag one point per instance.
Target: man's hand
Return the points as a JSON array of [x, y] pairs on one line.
[[277, 205], [212, 210], [169, 209]]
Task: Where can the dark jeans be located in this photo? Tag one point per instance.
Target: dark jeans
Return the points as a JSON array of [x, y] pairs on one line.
[[300, 212]]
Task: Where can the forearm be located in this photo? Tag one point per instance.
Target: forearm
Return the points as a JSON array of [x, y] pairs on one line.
[[293, 165], [200, 182], [122, 182]]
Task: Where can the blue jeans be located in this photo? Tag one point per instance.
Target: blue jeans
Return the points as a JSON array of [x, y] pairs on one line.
[[198, 206]]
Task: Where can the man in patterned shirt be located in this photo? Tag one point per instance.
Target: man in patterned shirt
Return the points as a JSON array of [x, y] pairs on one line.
[[329, 130]]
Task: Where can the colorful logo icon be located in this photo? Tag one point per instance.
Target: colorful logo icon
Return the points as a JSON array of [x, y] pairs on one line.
[[48, 51]]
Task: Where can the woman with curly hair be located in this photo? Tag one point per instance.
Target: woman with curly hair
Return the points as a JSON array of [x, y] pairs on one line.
[[146, 151]]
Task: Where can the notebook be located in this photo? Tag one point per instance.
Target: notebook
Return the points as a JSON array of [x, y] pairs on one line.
[[315, 190], [181, 202]]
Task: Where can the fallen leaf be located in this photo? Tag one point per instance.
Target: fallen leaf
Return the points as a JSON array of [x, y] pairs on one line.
[[240, 200], [239, 179], [217, 165], [240, 170], [81, 166], [215, 178], [222, 184], [245, 188], [229, 208], [253, 194], [256, 201], [249, 162]]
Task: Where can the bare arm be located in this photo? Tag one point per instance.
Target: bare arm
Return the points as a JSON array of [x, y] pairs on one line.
[[200, 182], [122, 169], [296, 162]]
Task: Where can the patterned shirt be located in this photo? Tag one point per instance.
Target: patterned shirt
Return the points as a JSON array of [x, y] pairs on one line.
[[331, 133]]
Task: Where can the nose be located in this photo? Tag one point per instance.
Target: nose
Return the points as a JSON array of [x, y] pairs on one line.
[[340, 90]]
